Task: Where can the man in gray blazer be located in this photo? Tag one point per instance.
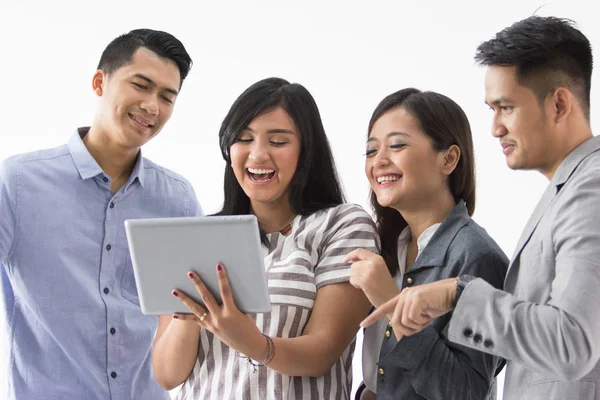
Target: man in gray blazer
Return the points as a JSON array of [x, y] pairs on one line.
[[546, 322]]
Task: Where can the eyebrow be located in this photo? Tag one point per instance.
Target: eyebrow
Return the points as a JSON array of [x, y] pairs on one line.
[[150, 81], [389, 135], [272, 130], [498, 101]]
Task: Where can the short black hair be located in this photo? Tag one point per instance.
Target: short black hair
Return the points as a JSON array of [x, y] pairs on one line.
[[119, 52], [549, 52], [315, 184]]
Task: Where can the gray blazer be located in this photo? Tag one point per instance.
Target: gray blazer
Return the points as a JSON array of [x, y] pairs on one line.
[[546, 323], [427, 365]]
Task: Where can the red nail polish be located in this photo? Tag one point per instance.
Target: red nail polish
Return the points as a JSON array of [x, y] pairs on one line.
[[174, 293], [175, 316], [191, 275], [219, 267]]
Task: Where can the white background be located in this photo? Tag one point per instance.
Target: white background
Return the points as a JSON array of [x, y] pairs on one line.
[[349, 55]]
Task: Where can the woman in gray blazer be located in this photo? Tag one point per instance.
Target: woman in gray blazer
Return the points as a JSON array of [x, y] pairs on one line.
[[420, 166]]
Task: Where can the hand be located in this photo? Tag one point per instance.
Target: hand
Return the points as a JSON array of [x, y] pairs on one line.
[[416, 307], [234, 328], [370, 274]]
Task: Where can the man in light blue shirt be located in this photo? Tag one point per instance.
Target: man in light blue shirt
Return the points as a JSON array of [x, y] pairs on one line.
[[75, 328]]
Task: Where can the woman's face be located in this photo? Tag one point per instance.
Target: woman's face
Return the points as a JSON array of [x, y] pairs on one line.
[[264, 157], [403, 168]]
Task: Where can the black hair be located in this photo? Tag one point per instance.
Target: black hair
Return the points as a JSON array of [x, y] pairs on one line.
[[120, 51], [548, 52]]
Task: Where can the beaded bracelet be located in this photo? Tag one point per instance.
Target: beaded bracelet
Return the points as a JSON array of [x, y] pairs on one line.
[[268, 358]]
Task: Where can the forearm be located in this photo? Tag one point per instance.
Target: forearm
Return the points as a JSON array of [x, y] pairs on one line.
[[310, 355], [175, 352], [542, 337]]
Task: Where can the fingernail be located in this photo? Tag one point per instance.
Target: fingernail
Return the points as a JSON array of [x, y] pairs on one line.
[[174, 293], [191, 275], [219, 267], [175, 316]]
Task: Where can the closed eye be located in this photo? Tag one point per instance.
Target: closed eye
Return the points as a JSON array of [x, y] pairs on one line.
[[139, 86], [397, 146], [370, 152], [278, 143]]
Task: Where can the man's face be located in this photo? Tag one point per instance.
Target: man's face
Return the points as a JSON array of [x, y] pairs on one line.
[[523, 126], [137, 99]]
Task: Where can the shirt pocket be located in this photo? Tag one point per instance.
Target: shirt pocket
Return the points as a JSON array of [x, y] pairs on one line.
[[560, 390]]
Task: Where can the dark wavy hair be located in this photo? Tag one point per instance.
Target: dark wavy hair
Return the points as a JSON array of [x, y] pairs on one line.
[[548, 52], [119, 52], [446, 124], [315, 184]]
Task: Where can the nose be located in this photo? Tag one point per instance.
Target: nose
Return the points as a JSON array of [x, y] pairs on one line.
[[258, 151], [381, 158], [498, 128], [150, 104]]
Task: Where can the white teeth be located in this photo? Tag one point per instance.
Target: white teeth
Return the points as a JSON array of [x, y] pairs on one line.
[[260, 171], [139, 121], [387, 178]]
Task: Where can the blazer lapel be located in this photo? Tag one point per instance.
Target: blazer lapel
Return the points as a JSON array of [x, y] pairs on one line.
[[561, 176], [534, 219]]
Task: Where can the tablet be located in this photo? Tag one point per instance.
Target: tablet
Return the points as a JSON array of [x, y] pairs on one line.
[[164, 250]]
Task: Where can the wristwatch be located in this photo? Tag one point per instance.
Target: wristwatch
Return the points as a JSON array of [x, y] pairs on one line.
[[461, 283]]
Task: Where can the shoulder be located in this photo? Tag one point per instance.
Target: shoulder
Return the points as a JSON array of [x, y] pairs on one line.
[[31, 160], [476, 251], [341, 215], [165, 175]]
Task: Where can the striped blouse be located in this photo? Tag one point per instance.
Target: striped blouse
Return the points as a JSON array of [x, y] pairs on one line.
[[297, 265]]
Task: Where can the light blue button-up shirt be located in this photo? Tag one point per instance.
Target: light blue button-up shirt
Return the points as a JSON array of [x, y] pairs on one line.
[[75, 329]]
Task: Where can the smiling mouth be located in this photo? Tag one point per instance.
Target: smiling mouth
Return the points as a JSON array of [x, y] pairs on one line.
[[141, 122], [260, 175], [387, 179]]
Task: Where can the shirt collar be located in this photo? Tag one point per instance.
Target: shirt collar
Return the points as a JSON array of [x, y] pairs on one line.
[[434, 254], [88, 167], [570, 163], [84, 162]]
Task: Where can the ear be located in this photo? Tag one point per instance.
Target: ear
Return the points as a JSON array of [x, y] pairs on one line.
[[98, 81], [450, 159], [562, 103]]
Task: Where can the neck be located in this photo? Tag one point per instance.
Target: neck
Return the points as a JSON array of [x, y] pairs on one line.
[[577, 133], [427, 213], [115, 160], [272, 218]]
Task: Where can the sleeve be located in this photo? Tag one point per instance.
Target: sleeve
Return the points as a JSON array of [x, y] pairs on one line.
[[559, 338], [8, 208], [348, 227], [194, 207], [461, 373]]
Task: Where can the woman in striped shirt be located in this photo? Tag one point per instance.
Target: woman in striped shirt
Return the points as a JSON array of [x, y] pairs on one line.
[[280, 168]]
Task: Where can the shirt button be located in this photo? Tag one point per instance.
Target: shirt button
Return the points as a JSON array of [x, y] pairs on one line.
[[105, 179], [409, 281], [106, 290], [388, 333], [477, 338], [113, 331], [468, 332], [113, 374], [108, 247], [112, 205], [381, 371], [488, 343]]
